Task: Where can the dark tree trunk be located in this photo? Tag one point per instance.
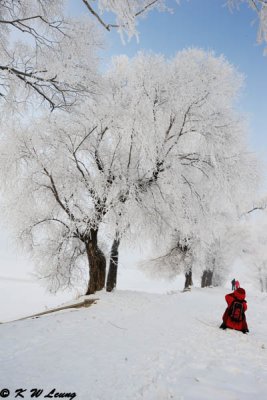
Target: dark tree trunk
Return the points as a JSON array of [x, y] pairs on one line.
[[209, 278], [188, 279], [203, 279], [113, 265], [97, 264], [206, 279]]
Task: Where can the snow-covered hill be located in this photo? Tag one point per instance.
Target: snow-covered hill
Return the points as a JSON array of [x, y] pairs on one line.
[[133, 345]]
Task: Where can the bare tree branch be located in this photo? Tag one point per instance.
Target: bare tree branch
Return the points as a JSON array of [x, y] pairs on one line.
[[52, 220], [108, 26], [83, 140], [19, 23], [92, 11], [255, 209], [47, 88], [56, 195]]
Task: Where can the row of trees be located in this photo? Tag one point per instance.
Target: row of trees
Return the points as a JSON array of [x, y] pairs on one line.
[[160, 153], [151, 149]]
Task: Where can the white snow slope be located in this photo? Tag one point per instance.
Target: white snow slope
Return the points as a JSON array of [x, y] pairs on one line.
[[133, 345]]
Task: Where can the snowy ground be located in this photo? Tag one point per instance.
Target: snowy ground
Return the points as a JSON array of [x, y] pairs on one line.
[[134, 345], [20, 297]]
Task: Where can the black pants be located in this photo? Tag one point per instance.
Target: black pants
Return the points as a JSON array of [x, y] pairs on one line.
[[223, 326]]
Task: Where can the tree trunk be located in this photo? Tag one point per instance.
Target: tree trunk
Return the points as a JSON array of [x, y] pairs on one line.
[[97, 264], [206, 279], [209, 278], [188, 279], [113, 265]]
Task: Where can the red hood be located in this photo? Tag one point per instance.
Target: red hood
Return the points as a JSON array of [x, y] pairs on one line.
[[240, 294]]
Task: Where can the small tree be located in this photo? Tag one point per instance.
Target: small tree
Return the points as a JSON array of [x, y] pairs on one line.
[[253, 250]]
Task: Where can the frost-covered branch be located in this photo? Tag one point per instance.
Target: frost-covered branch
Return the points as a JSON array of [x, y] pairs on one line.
[[51, 58], [23, 25], [56, 195], [260, 7], [124, 10], [55, 93], [96, 15], [126, 13]]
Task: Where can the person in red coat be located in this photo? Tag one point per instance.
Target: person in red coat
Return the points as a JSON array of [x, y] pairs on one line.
[[237, 284], [234, 315]]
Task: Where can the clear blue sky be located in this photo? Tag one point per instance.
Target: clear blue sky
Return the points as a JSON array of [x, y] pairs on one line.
[[210, 25]]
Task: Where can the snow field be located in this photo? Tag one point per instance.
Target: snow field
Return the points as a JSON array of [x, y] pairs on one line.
[[20, 299], [133, 345]]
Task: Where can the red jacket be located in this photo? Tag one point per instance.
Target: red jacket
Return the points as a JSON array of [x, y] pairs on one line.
[[238, 294]]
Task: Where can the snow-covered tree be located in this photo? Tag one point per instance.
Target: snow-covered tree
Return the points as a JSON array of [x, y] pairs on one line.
[[195, 152], [220, 256], [63, 192], [253, 249]]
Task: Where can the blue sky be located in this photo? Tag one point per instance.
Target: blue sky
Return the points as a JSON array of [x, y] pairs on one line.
[[210, 25]]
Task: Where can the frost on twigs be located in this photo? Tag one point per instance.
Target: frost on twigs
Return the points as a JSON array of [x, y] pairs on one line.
[[260, 7], [45, 58], [126, 13]]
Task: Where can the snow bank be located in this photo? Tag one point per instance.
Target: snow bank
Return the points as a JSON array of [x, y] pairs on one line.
[[140, 346]]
